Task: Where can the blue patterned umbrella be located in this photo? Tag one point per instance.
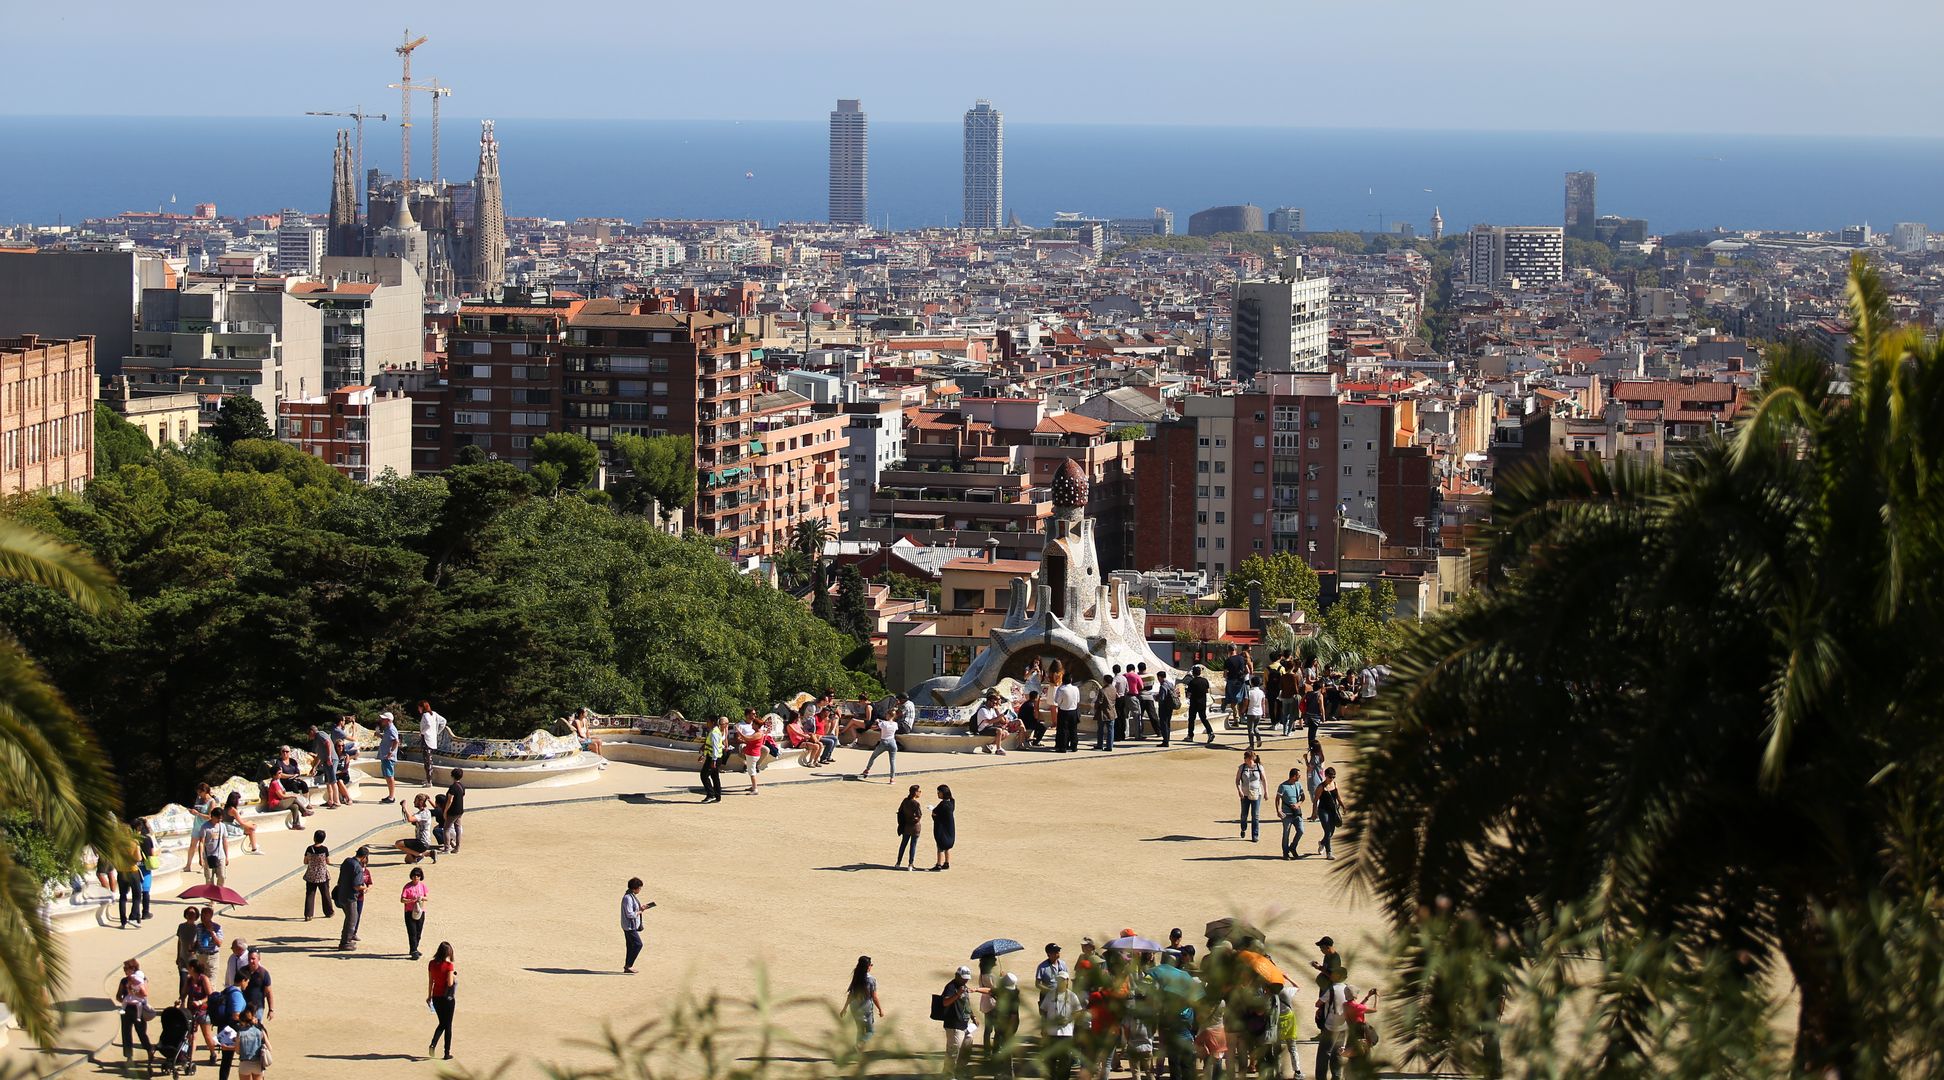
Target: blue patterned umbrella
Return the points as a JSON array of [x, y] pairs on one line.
[[998, 946]]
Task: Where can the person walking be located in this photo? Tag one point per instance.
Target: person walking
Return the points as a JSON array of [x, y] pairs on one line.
[[388, 741], [414, 896], [631, 909], [215, 847], [944, 827], [441, 992], [1332, 1028], [256, 982], [887, 729], [197, 989], [1313, 774], [1289, 810], [750, 741], [955, 1007], [1248, 787], [714, 746], [861, 1002], [1197, 689], [1058, 1010], [1329, 811], [226, 1008], [455, 818], [1066, 717], [910, 813], [317, 876], [131, 997], [1235, 672], [1256, 708], [324, 766], [350, 893]]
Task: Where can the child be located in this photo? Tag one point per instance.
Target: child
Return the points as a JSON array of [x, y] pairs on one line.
[[1138, 1040]]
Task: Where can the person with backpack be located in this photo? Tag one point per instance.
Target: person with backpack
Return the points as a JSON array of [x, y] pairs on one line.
[[1167, 691], [1332, 1028], [351, 884], [888, 729], [226, 1009], [252, 1046]]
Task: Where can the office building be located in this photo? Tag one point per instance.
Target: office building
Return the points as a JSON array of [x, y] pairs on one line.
[[1163, 221], [1525, 254], [47, 392], [1580, 203], [1910, 237], [300, 249], [219, 339], [1613, 229], [1856, 235], [1226, 219], [75, 294], [985, 167], [356, 430], [850, 158], [1281, 326], [1286, 219]]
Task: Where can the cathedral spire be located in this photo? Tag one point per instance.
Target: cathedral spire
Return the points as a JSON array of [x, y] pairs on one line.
[[342, 237], [489, 218]]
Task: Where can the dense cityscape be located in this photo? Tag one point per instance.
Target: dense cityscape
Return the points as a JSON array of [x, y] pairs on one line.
[[1582, 577]]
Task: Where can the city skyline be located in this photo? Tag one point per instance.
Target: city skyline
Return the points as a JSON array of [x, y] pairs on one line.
[[474, 57]]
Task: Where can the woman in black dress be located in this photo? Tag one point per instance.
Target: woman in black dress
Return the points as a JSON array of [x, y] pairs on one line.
[[944, 827]]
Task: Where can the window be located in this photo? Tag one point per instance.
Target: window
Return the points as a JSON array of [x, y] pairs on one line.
[[1257, 519], [1260, 442], [1201, 542], [521, 442], [1201, 466], [631, 387], [1201, 517], [1203, 441], [479, 348], [532, 397], [1256, 493], [1257, 469], [1369, 445], [1257, 544], [468, 418], [1201, 491], [479, 393], [659, 389], [1221, 492], [480, 371], [317, 427], [1221, 517], [1259, 416], [1346, 444], [1221, 466], [1346, 470], [520, 348], [1221, 542], [1221, 442]]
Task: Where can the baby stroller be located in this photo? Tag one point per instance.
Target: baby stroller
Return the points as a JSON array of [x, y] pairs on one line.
[[176, 1045]]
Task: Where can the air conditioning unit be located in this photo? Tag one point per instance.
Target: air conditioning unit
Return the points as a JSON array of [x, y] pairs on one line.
[[1413, 551]]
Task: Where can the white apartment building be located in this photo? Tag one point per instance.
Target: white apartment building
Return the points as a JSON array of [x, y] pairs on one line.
[[300, 249], [1529, 254], [1281, 326]]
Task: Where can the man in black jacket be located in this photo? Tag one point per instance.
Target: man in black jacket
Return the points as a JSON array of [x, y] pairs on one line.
[[350, 893]]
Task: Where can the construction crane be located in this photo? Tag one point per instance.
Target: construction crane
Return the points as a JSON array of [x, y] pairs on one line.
[[359, 116], [405, 107], [437, 92]]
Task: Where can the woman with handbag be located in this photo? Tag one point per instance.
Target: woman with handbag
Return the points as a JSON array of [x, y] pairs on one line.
[[252, 1046], [414, 896], [910, 814], [131, 997]]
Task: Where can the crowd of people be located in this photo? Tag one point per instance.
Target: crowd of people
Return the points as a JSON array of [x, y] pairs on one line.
[[1152, 1010]]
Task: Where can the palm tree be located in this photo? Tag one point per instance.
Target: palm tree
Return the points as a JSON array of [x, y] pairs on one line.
[[51, 767], [809, 537], [1701, 700]]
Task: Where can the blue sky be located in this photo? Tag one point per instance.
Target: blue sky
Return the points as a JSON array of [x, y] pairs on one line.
[[1760, 66]]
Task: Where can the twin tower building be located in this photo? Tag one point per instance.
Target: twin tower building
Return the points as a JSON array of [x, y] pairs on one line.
[[985, 166]]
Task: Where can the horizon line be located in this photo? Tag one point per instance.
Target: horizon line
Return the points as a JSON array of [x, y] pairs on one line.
[[1334, 128]]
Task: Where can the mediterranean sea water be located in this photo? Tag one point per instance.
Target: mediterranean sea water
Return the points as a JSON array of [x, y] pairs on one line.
[[72, 168]]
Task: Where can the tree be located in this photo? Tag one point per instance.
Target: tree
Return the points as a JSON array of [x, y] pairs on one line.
[[1283, 575], [241, 417], [1590, 253], [1126, 433], [1707, 697], [564, 461], [853, 615], [661, 472], [53, 775], [117, 442]]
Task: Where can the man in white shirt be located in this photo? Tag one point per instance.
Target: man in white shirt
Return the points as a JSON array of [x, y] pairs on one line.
[[432, 735], [1257, 709], [1066, 717]]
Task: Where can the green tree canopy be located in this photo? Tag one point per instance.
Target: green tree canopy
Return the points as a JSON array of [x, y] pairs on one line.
[[1283, 575], [661, 473], [241, 417], [564, 461], [117, 442], [1707, 699]]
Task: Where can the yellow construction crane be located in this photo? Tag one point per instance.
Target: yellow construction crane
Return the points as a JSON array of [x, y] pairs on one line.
[[437, 92], [405, 109], [358, 116]]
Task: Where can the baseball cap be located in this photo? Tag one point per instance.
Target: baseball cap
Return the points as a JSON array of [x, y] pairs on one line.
[[964, 972], [385, 716], [1326, 942]]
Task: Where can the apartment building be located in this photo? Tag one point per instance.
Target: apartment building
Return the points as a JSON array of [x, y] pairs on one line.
[[875, 432], [797, 459], [504, 377], [373, 317], [47, 391], [1528, 254], [219, 339], [357, 430], [671, 373]]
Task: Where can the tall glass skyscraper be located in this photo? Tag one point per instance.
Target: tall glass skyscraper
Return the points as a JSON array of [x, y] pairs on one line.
[[985, 167], [1580, 188], [850, 158]]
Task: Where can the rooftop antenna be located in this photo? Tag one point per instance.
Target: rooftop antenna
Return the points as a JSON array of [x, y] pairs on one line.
[[404, 87]]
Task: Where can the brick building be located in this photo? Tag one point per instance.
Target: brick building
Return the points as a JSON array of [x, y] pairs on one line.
[[357, 430], [47, 392], [797, 459], [504, 378]]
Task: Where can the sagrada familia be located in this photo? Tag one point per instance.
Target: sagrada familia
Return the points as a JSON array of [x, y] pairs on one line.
[[453, 234]]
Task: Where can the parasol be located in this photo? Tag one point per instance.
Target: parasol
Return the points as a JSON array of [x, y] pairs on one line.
[[998, 946], [213, 893]]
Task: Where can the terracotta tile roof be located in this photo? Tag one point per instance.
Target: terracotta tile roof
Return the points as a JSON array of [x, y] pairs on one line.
[[1070, 424]]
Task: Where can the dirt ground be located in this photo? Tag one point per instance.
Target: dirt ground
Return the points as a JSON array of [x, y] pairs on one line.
[[793, 884]]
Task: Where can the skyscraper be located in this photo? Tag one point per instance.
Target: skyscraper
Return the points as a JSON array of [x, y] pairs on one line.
[[850, 157], [342, 233], [985, 166], [1580, 204], [489, 218], [1530, 253]]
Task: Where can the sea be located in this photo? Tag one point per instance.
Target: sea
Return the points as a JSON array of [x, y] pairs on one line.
[[70, 168]]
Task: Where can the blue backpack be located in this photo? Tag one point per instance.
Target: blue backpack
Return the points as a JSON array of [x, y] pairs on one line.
[[225, 1006]]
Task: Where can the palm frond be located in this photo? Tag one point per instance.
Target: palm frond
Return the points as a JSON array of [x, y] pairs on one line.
[[29, 555]]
